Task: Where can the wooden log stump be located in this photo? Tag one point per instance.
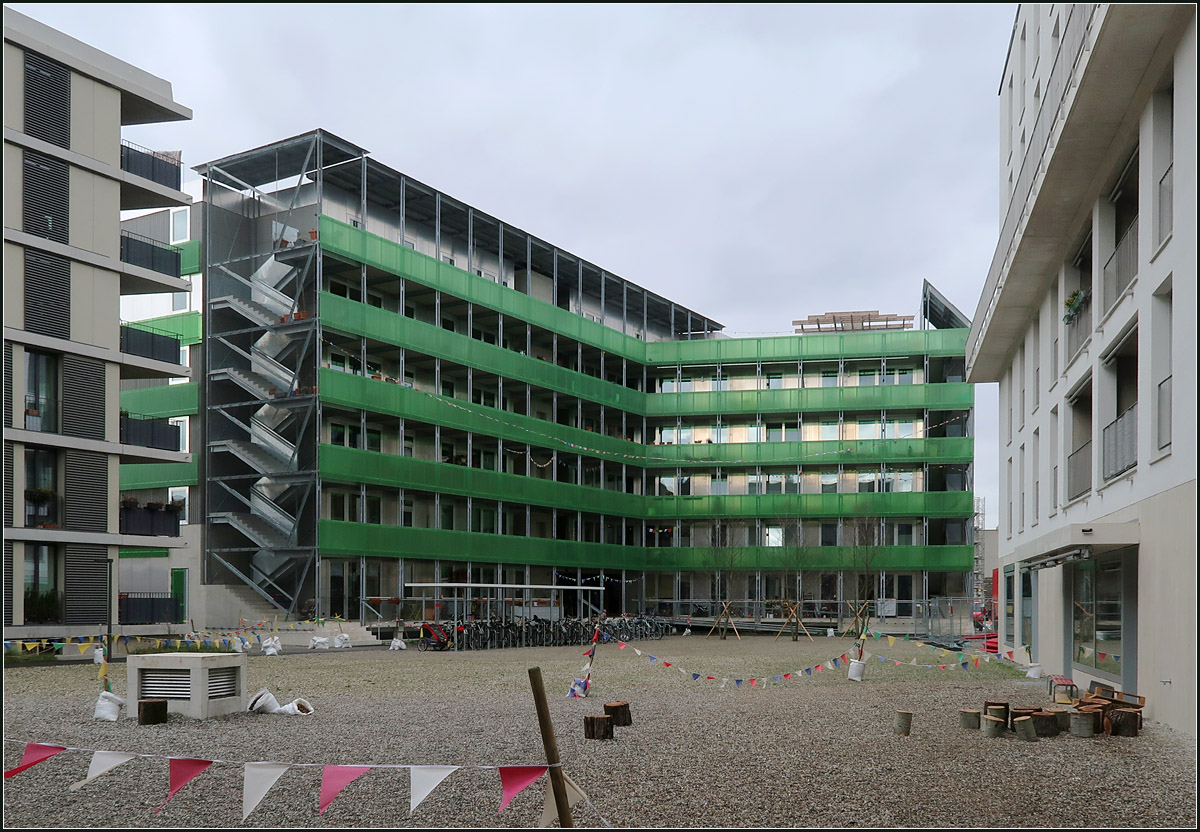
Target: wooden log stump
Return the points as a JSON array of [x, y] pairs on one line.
[[1121, 722], [1000, 712], [1063, 716], [903, 723], [152, 711], [1045, 724], [1097, 715], [1019, 712], [598, 727], [987, 709], [994, 726], [619, 711], [968, 718], [1083, 724], [1023, 725]]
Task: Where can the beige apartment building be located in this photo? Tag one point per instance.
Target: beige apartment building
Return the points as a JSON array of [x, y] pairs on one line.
[[68, 175]]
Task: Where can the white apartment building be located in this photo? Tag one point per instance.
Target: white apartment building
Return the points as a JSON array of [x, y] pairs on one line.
[[1088, 323], [68, 175]]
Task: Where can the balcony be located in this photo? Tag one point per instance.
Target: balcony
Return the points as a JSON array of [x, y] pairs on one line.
[[43, 508], [148, 608], [1164, 413], [1122, 267], [43, 607], [1079, 324], [1079, 472], [148, 164], [149, 433], [41, 414], [150, 519], [1166, 204], [137, 250], [148, 342], [1120, 444]]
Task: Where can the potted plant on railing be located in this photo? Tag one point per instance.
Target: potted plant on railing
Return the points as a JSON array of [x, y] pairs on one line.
[[1071, 305], [175, 506], [154, 505], [39, 496], [129, 502]]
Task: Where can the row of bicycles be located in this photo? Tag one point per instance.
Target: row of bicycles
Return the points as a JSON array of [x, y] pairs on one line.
[[495, 633]]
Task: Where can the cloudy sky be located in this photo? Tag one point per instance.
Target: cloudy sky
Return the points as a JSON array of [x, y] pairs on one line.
[[755, 163]]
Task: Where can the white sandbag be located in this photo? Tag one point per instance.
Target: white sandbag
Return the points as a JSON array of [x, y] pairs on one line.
[[318, 643], [237, 645], [97, 655], [397, 644], [108, 706], [297, 707], [272, 646], [341, 640], [263, 702]]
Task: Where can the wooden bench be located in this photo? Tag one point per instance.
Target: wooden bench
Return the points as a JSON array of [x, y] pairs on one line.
[[1053, 683]]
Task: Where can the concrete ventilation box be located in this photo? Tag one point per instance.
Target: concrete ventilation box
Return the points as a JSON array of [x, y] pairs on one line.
[[198, 685]]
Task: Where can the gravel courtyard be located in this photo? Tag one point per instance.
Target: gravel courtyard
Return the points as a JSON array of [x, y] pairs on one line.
[[816, 751]]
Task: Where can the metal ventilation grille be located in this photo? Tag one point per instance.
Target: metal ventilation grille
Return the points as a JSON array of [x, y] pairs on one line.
[[222, 682], [157, 683], [47, 192], [47, 100]]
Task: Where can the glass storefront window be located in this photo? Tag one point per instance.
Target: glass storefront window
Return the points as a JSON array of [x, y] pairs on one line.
[[1097, 616]]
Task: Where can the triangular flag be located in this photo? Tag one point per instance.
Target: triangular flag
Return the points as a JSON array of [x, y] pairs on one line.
[[639, 652], [738, 682], [183, 771], [753, 683], [515, 779], [977, 661], [819, 668], [652, 658], [103, 761], [425, 779], [336, 778], [34, 753], [897, 663], [787, 676], [620, 645], [808, 671], [695, 676], [666, 664], [257, 780], [960, 657], [82, 648], [834, 663], [1102, 656], [891, 641], [710, 677], [913, 662], [681, 670], [843, 657], [964, 665], [941, 667], [877, 635], [1010, 654], [777, 678], [586, 668], [906, 637], [550, 810]]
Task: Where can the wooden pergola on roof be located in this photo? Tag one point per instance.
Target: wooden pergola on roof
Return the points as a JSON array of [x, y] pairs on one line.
[[853, 322]]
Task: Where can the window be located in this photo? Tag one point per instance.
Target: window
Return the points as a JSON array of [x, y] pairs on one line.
[[1009, 590], [374, 439], [899, 429], [685, 385], [829, 430], [446, 258], [182, 424], [868, 430], [448, 389], [179, 496], [41, 487], [829, 534], [179, 301], [374, 506], [829, 483], [720, 382], [447, 517], [343, 506], [407, 243], [866, 482], [41, 391], [486, 398], [179, 226], [448, 323], [773, 536], [774, 381], [408, 511], [1097, 616], [720, 434], [867, 378], [41, 584], [720, 483], [829, 378], [345, 435]]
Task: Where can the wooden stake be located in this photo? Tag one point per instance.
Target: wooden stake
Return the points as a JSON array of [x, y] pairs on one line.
[[903, 723], [792, 613], [726, 615], [557, 784]]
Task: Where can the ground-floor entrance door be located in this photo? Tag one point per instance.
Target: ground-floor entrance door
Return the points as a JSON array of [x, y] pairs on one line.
[[344, 583]]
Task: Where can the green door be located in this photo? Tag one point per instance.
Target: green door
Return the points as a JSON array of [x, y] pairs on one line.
[[179, 581]]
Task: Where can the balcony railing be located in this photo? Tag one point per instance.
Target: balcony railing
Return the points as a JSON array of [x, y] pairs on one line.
[[1120, 443], [1164, 412], [1122, 267], [43, 607], [1166, 204], [149, 164], [1079, 327], [1054, 489], [137, 250], [43, 509], [149, 433], [145, 520], [147, 608], [41, 414], [1079, 472], [150, 343]]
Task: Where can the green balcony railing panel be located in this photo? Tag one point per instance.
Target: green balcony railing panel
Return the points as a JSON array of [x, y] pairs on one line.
[[907, 504], [189, 257], [140, 552], [349, 465], [355, 318], [397, 400], [812, 558], [831, 346], [894, 397], [163, 401], [360, 246], [158, 475], [342, 538], [187, 326], [935, 449]]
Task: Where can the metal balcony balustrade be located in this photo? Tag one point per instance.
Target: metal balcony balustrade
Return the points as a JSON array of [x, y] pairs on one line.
[[1079, 471], [1119, 443], [148, 432], [41, 413], [150, 519], [149, 164], [43, 509], [1166, 204], [1079, 328], [137, 250], [148, 608], [1122, 267], [138, 339]]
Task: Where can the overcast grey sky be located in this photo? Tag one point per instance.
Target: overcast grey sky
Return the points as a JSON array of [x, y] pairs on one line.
[[755, 163]]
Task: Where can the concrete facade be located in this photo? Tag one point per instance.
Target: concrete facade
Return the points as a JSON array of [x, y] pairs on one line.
[[1087, 322], [67, 176]]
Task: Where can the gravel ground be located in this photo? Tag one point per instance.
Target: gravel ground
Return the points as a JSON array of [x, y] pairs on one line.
[[812, 752]]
